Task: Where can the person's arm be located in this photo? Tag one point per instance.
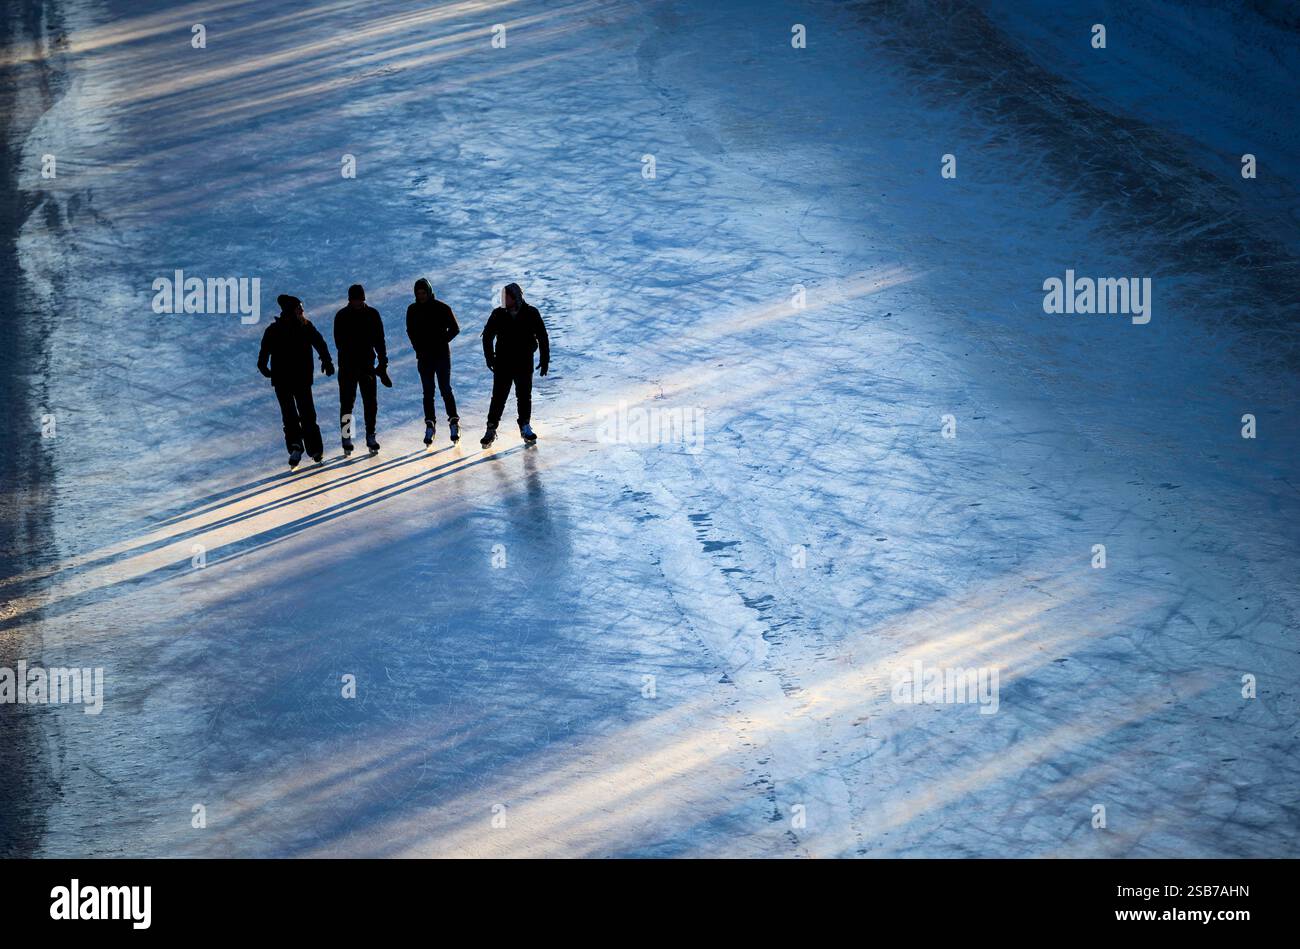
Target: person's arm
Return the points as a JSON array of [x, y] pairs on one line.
[[322, 350], [543, 344], [489, 335], [453, 328], [411, 333], [264, 354], [380, 350]]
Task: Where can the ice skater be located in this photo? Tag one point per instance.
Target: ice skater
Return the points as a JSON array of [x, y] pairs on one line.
[[285, 359], [359, 339], [514, 332], [431, 326]]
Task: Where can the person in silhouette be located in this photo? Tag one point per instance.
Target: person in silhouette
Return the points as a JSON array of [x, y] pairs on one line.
[[514, 332], [359, 339], [431, 326], [285, 359]]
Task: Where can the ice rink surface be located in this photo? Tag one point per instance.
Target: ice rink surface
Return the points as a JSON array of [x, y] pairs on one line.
[[603, 647]]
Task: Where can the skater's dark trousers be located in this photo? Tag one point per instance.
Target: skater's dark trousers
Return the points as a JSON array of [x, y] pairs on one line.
[[519, 375], [349, 381], [433, 368], [298, 412]]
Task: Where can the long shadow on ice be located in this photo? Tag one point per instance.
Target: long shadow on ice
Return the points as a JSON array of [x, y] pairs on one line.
[[470, 670], [225, 552]]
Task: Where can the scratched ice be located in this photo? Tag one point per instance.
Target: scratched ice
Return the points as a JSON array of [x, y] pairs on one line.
[[622, 641]]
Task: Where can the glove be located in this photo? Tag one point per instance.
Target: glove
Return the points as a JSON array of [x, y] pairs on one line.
[[491, 366], [382, 373], [327, 367], [545, 366], [265, 372]]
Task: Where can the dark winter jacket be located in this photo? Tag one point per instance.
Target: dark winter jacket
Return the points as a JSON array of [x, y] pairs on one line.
[[430, 326], [510, 339], [359, 339], [286, 347]]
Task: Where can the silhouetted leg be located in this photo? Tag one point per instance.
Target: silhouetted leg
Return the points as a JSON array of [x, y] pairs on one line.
[[347, 399], [427, 382], [501, 382], [524, 394], [442, 367], [289, 416], [307, 420], [369, 400]]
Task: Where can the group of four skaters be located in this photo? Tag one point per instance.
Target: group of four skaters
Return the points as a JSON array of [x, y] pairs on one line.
[[513, 334]]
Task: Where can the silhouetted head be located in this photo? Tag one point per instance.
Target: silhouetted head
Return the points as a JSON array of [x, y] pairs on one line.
[[356, 296], [423, 291], [289, 305], [512, 297]]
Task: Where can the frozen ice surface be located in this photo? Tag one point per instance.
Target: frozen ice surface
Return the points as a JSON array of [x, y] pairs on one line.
[[508, 710]]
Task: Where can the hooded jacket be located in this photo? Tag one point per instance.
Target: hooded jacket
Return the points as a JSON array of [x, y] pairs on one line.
[[511, 338], [359, 339], [286, 347], [430, 325]]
